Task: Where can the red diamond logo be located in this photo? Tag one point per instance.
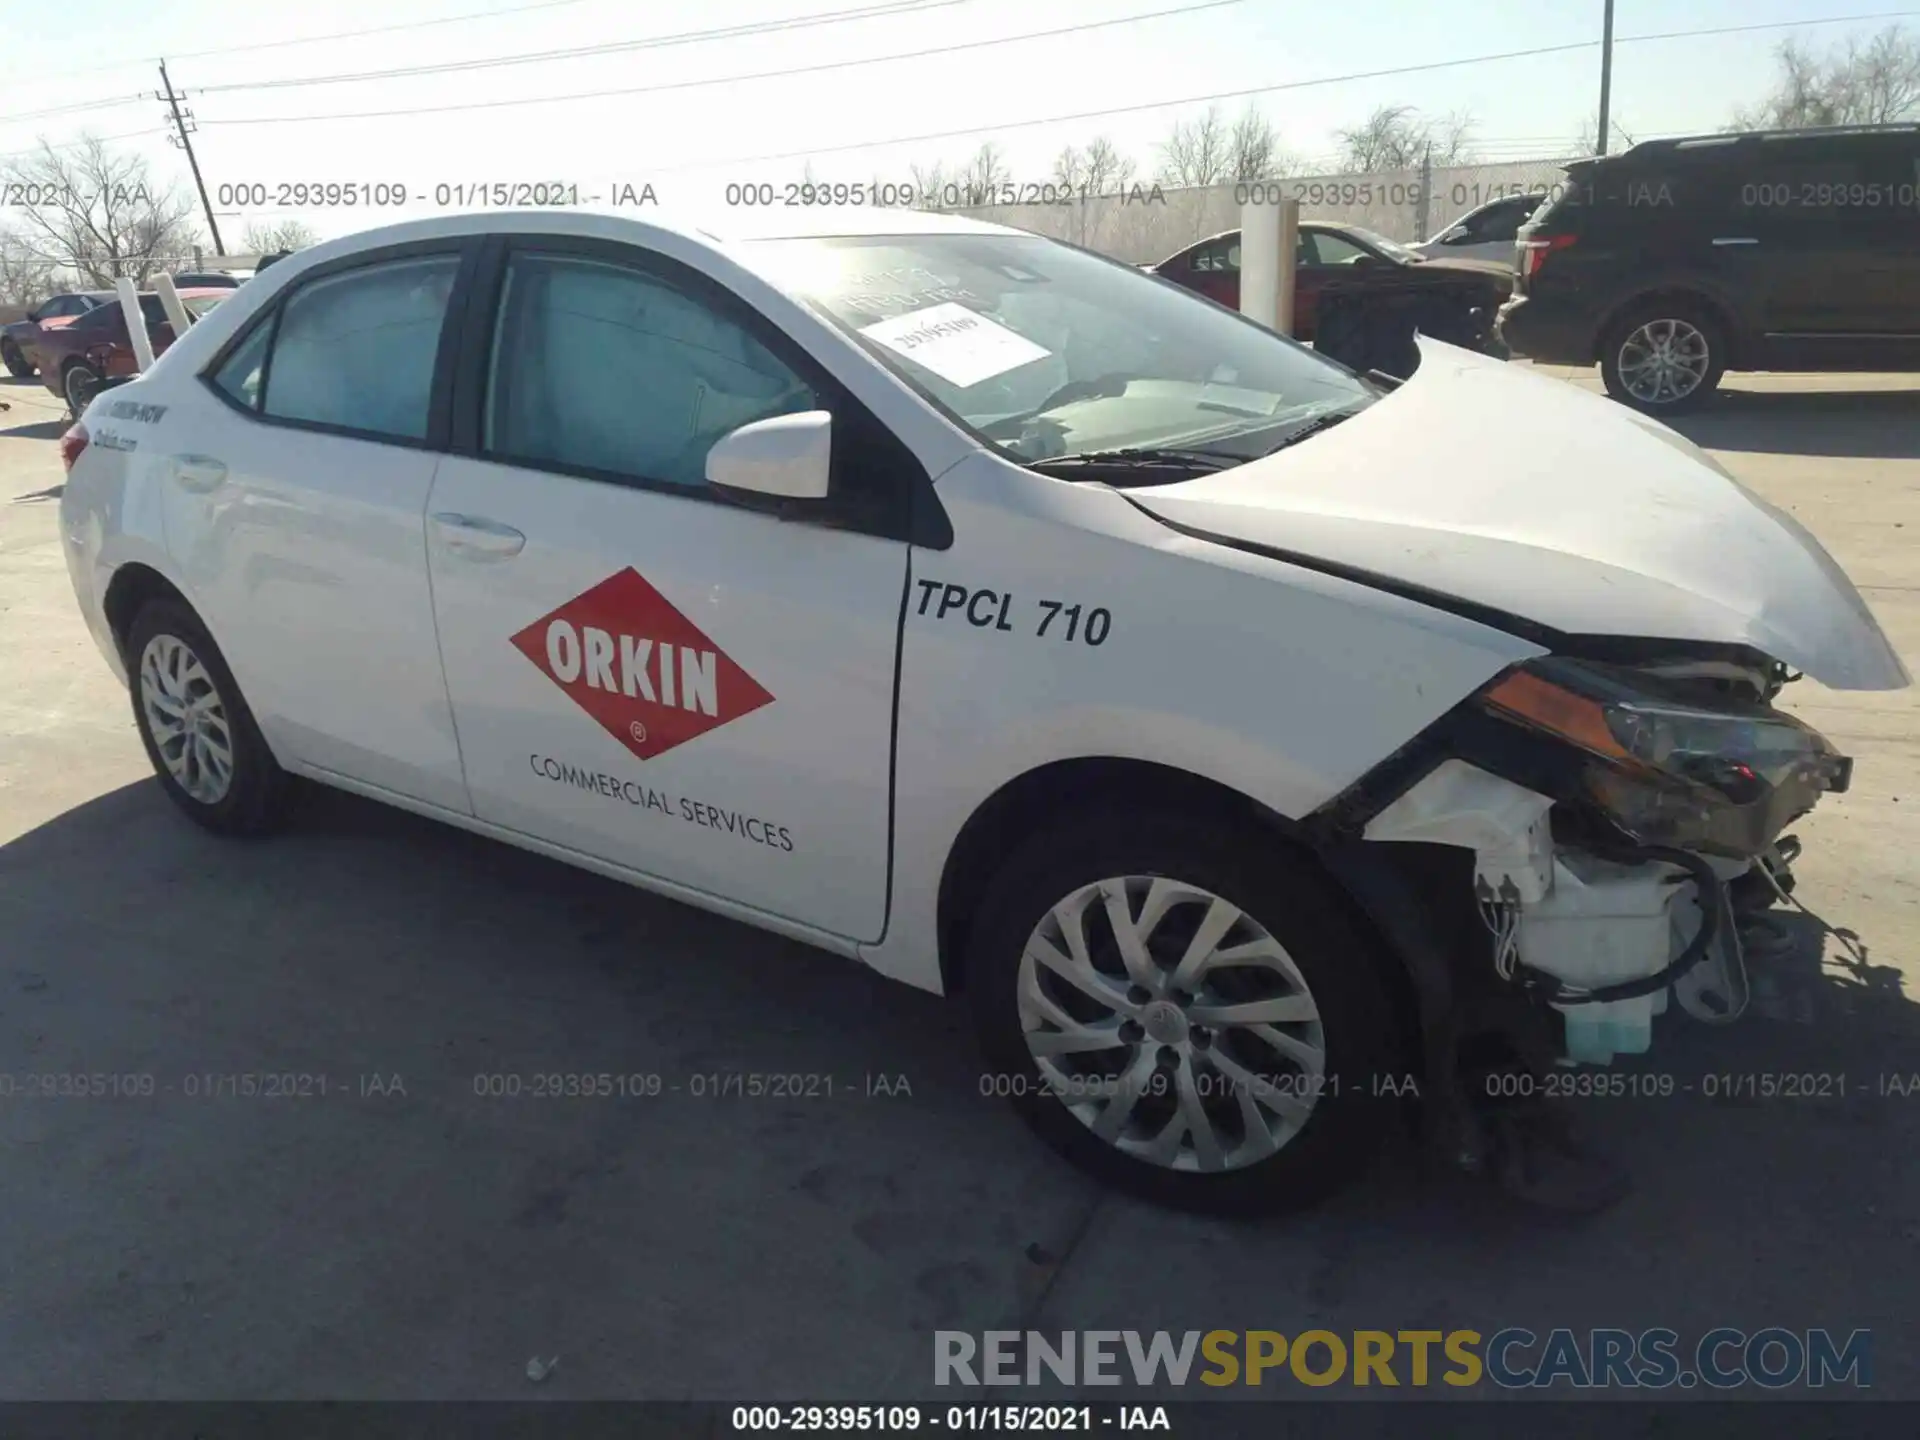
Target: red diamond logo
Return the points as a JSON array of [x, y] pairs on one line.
[[631, 660]]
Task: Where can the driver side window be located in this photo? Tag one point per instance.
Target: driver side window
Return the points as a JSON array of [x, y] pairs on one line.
[[604, 368]]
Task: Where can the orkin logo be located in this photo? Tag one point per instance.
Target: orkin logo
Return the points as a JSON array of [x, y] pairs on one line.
[[644, 671]]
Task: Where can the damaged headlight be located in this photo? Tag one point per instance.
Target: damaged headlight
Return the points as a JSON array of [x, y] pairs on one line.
[[1716, 775]]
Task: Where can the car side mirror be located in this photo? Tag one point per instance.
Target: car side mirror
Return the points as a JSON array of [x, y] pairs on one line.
[[788, 457]]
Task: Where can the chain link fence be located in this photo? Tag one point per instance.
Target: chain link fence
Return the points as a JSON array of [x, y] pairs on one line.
[[1143, 225]]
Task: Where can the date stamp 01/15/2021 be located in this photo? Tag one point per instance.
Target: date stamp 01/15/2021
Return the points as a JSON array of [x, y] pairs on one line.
[[383, 1084]]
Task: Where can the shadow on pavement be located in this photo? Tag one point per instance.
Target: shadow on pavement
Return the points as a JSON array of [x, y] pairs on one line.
[[35, 430], [798, 1242], [1864, 424]]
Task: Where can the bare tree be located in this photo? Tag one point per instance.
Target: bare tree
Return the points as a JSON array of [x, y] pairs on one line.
[[1198, 152], [98, 213], [1397, 137], [1253, 149], [1877, 83], [1589, 141], [1069, 171], [270, 237], [982, 177], [25, 279], [930, 184], [1099, 169], [1108, 170]]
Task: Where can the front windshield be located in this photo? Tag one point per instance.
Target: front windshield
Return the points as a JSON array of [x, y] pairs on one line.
[[1392, 248], [1049, 351]]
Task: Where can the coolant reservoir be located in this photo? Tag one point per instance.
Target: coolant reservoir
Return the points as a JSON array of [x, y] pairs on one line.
[[1600, 924]]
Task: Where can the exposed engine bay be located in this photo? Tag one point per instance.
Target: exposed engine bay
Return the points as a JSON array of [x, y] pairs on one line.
[[1625, 822]]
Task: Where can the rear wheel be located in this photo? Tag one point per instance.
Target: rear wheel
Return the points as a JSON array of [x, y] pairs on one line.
[[79, 383], [201, 737], [17, 364], [1182, 1009], [1663, 356]]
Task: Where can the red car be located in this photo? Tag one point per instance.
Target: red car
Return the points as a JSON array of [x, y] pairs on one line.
[[77, 360], [20, 340], [1345, 258]]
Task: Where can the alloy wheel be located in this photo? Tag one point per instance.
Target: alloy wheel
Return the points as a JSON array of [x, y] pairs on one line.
[[186, 719], [1171, 1024], [1664, 361]]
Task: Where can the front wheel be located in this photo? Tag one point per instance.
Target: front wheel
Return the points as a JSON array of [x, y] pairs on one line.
[[1663, 357], [1184, 1010], [17, 364]]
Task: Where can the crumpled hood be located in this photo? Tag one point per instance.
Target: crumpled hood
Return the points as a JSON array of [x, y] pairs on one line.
[[1519, 493]]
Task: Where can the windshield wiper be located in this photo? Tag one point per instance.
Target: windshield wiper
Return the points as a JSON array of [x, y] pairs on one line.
[[1144, 459], [1312, 427]]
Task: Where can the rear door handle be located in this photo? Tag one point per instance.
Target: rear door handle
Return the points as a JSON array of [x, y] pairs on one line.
[[199, 473], [477, 538], [1735, 240]]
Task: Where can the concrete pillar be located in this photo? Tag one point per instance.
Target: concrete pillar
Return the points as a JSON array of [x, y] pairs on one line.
[[1269, 238], [136, 324], [170, 302]]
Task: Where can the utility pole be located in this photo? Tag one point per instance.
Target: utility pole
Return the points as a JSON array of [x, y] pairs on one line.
[[1606, 76], [182, 129], [1424, 217]]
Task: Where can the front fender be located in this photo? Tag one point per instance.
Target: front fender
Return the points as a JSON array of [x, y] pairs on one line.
[[1279, 683]]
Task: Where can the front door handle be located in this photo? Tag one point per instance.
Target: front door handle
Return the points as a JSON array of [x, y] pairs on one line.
[[1735, 240], [477, 538], [199, 473]]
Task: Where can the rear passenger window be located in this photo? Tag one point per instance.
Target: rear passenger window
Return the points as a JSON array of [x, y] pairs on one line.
[[600, 367], [239, 377], [356, 351]]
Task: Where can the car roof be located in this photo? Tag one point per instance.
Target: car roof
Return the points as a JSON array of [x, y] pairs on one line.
[[740, 223], [1680, 144]]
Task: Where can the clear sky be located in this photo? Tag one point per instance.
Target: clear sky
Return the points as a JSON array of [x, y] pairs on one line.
[[690, 142]]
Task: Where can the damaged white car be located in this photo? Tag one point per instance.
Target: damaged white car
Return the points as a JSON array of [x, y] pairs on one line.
[[1237, 736]]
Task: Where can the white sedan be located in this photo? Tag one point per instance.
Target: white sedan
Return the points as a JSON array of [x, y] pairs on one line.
[[1234, 733]]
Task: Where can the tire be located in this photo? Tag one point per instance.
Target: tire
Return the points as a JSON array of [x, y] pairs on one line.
[[1697, 341], [79, 383], [16, 363], [1059, 870], [170, 655]]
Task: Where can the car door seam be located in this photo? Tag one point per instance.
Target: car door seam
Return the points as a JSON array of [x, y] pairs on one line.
[[439, 644]]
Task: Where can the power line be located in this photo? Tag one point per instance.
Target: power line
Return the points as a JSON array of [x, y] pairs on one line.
[[614, 47], [732, 79], [1249, 93], [403, 111], [886, 8], [84, 140], [74, 108], [334, 35]]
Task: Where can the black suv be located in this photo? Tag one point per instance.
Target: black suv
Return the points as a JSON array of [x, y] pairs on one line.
[[1678, 260]]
